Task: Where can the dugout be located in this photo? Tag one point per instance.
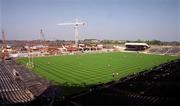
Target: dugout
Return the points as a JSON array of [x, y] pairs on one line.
[[136, 46]]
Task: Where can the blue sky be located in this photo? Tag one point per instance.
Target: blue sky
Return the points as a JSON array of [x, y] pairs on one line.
[[106, 19], [0, 14]]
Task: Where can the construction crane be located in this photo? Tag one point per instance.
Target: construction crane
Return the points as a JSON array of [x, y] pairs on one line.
[[30, 62], [4, 53], [43, 42], [76, 25], [43, 37], [4, 39], [42, 34]]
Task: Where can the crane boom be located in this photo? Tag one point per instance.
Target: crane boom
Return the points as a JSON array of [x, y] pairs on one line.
[[79, 23], [76, 25]]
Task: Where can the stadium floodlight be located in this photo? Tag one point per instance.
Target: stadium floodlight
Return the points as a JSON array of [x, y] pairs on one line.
[[76, 24]]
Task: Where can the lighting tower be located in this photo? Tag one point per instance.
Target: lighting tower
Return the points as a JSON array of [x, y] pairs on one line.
[[76, 25]]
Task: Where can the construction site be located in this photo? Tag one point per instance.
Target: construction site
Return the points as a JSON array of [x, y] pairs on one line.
[[22, 81], [89, 53]]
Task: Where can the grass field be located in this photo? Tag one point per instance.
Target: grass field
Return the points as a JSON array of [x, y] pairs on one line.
[[93, 68]]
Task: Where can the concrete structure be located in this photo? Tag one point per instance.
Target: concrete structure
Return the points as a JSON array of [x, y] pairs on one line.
[[136, 46]]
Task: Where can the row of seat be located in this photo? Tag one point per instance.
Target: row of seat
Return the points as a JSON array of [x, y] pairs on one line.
[[165, 50], [36, 84], [10, 90]]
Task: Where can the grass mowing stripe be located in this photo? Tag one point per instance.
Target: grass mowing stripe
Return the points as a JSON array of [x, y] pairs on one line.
[[94, 68], [60, 74], [77, 75]]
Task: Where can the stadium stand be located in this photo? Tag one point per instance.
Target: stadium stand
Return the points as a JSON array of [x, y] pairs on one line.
[[136, 46], [32, 81], [10, 90], [156, 87], [172, 50], [20, 86]]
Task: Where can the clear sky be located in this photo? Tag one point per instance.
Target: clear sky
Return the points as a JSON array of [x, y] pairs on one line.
[[0, 14], [106, 19]]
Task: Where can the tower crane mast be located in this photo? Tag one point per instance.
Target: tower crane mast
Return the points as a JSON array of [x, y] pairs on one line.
[[4, 39], [76, 25], [42, 34], [4, 52]]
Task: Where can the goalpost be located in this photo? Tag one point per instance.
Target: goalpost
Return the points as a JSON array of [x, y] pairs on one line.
[[30, 63]]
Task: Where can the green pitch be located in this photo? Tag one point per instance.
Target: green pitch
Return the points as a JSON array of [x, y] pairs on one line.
[[94, 68]]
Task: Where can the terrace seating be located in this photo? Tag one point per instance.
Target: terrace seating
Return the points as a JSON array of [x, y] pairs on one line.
[[32, 81], [21, 91], [10, 90], [165, 50]]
